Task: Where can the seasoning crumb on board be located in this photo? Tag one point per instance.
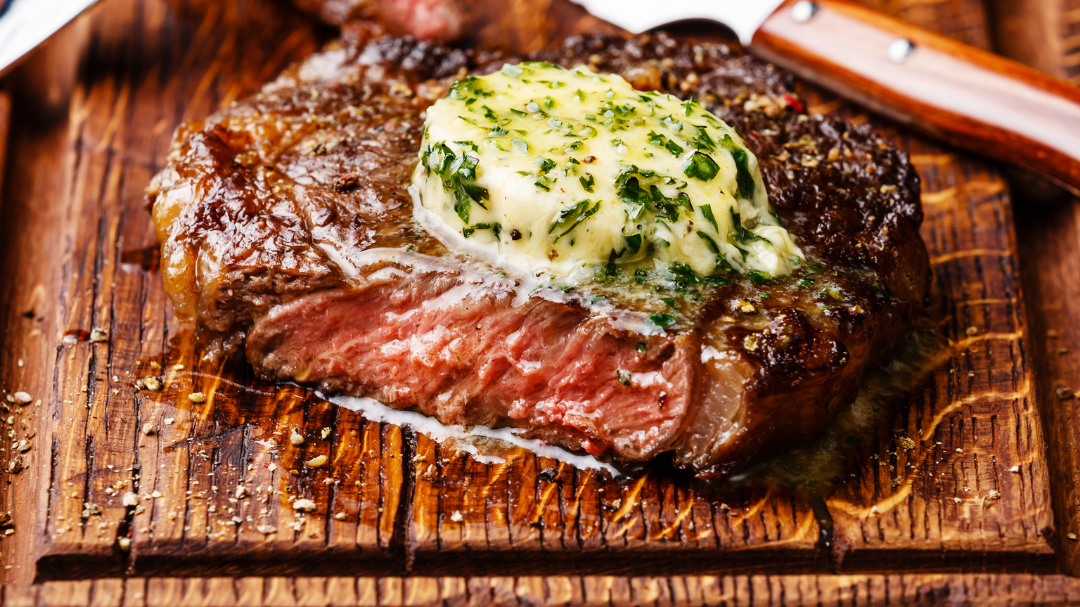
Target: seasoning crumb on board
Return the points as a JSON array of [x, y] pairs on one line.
[[303, 505], [197, 397], [994, 494]]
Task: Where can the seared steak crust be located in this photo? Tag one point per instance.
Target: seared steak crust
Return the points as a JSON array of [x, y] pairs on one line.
[[286, 219]]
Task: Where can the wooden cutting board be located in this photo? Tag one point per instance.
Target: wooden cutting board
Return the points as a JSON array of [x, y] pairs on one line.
[[973, 494]]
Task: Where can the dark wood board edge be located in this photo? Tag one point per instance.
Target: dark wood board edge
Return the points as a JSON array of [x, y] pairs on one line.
[[569, 591], [1045, 35]]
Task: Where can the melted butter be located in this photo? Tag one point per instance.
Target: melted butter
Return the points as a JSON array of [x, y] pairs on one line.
[[481, 442], [577, 173]]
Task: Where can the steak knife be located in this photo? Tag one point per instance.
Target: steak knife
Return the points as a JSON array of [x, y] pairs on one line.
[[25, 24], [957, 93]]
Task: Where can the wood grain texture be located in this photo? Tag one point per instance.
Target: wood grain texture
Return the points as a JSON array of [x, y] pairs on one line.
[[1050, 41], [567, 591], [961, 94], [918, 510]]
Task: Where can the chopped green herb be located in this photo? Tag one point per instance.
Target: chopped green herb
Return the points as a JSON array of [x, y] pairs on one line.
[[706, 210], [661, 321], [612, 270], [572, 216], [545, 164], [708, 239], [700, 166], [683, 275], [743, 178], [458, 175], [758, 277]]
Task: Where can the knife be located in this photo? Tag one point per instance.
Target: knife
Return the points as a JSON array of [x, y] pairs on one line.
[[24, 24], [965, 96]]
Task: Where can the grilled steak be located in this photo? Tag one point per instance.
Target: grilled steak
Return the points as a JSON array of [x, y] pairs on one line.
[[286, 225]]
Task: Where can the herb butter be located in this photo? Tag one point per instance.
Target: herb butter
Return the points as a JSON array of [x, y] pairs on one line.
[[569, 171]]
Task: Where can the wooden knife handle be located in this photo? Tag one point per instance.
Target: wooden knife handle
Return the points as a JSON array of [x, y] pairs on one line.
[[968, 97]]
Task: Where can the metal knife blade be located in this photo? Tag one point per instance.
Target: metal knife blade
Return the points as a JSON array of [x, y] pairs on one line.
[[24, 24], [743, 17]]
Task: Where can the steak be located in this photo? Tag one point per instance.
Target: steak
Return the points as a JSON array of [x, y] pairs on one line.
[[286, 229]]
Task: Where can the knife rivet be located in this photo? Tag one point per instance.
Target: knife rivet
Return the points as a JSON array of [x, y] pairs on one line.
[[900, 50], [804, 11]]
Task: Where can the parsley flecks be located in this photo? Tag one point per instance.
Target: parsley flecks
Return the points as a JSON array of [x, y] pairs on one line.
[[700, 166], [663, 142], [545, 164], [683, 200], [703, 141], [633, 243], [683, 276], [709, 240], [612, 270], [587, 182], [757, 277], [572, 216], [742, 235], [743, 178], [661, 321], [458, 174], [630, 192], [706, 210]]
